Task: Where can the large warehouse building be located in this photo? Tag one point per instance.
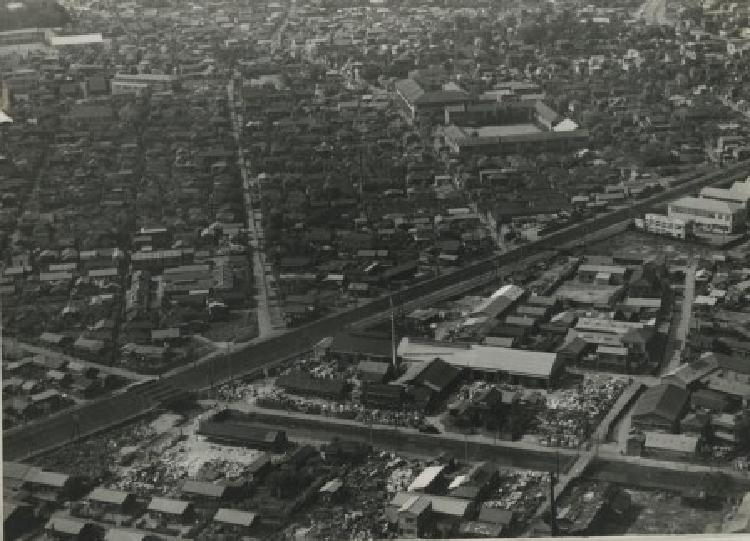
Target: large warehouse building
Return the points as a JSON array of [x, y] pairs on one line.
[[532, 368]]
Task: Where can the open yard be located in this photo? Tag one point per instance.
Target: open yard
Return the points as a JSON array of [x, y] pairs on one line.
[[648, 246]]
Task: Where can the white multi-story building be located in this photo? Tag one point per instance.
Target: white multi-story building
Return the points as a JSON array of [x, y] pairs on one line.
[[124, 83], [709, 215], [665, 225]]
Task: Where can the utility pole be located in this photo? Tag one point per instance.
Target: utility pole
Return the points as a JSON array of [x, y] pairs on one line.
[[361, 168], [393, 333], [553, 480]]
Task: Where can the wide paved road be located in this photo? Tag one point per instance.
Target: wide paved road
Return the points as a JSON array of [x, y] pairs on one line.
[[52, 432]]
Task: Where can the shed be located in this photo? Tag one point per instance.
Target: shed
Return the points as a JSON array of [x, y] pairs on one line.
[[110, 498], [168, 506], [235, 517], [192, 488]]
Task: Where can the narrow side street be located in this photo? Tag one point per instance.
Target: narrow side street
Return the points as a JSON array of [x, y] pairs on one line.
[[267, 325], [681, 326]]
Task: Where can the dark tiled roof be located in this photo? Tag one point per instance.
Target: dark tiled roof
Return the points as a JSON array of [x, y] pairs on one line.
[[199, 488], [438, 375], [237, 431], [300, 383], [666, 401], [409, 89], [730, 362]]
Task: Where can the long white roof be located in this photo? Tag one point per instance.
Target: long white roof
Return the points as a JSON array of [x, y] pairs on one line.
[[424, 479], [80, 39], [510, 292], [711, 205], [608, 325], [481, 357], [732, 195]]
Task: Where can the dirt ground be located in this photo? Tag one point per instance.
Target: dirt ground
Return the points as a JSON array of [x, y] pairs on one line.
[[659, 512], [648, 246], [240, 327]]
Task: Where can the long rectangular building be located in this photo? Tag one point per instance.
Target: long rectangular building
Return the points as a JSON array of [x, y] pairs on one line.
[[517, 365], [511, 140], [709, 214]]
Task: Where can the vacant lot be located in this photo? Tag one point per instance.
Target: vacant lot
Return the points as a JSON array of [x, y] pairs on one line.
[[645, 245]]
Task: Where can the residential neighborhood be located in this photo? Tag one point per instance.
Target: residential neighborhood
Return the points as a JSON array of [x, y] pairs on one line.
[[314, 269]]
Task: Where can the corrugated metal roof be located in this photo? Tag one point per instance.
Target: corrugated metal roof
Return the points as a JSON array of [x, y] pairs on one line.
[[233, 516], [106, 495], [168, 506], [711, 205], [424, 479], [479, 357]]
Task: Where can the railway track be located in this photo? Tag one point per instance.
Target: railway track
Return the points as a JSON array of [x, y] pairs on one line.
[[54, 431]]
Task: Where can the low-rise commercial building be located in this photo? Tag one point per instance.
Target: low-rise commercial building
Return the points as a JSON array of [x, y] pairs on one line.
[[709, 215]]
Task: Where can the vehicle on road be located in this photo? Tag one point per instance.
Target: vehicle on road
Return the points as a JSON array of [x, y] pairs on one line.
[[427, 428]]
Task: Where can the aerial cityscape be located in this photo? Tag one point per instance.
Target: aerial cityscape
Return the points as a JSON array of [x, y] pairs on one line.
[[374, 269]]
